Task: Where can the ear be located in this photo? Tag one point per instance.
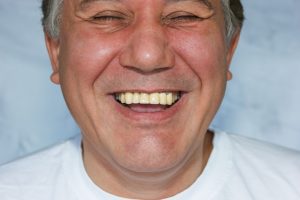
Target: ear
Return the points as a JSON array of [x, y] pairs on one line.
[[53, 52], [231, 49]]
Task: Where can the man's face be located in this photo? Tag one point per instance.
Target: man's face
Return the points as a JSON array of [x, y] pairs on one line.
[[108, 48]]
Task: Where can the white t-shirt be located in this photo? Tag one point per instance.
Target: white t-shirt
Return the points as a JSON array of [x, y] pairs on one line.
[[238, 169]]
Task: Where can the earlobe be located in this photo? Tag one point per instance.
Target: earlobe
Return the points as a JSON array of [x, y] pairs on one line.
[[53, 52], [229, 75], [55, 77]]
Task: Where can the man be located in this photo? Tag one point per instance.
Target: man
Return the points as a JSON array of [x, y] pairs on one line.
[[143, 80]]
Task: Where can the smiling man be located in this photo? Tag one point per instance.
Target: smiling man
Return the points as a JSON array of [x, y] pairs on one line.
[[143, 79]]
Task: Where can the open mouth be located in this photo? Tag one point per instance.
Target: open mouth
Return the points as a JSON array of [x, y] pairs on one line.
[[147, 102]]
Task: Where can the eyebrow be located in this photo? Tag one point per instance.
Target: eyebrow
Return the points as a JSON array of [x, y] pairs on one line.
[[90, 1], [200, 1], [84, 2]]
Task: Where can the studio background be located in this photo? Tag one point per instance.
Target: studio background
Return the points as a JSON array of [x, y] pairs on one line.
[[262, 100]]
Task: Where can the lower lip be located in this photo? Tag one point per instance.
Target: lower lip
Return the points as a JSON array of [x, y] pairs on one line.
[[157, 117]]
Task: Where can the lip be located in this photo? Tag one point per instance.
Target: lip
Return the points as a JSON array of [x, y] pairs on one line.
[[149, 117]]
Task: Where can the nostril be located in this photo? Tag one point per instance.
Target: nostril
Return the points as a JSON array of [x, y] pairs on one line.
[[147, 53], [148, 71]]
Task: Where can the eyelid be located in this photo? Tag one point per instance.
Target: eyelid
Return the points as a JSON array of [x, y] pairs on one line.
[[109, 13], [180, 13], [181, 16], [110, 20]]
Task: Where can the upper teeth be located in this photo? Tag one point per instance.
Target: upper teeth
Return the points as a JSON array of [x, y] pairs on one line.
[[162, 98]]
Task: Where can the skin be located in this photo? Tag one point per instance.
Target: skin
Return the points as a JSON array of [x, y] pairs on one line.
[[142, 45]]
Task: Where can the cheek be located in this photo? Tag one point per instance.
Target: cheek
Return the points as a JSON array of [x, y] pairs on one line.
[[205, 54], [85, 55]]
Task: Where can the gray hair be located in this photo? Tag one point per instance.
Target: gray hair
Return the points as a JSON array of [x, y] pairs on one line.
[[234, 17], [233, 11], [51, 16]]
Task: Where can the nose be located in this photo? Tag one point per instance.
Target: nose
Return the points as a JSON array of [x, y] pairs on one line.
[[147, 50]]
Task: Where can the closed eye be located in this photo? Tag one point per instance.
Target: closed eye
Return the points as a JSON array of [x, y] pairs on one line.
[[183, 18], [107, 18], [110, 20]]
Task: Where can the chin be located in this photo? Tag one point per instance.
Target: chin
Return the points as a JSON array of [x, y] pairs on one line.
[[152, 165], [150, 154]]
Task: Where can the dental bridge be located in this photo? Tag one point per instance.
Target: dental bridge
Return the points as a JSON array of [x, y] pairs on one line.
[[166, 99]]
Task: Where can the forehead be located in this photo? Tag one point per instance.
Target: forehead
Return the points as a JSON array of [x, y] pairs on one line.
[[167, 1], [85, 2]]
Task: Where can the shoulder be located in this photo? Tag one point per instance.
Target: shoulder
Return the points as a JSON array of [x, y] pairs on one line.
[[259, 156], [266, 167], [36, 172], [263, 152]]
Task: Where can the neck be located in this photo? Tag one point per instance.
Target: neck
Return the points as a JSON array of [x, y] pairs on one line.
[[119, 181]]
